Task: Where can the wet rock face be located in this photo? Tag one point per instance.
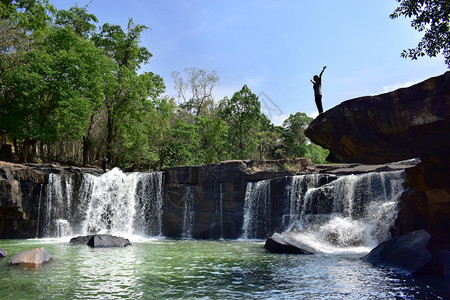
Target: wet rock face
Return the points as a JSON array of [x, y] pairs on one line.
[[406, 123]]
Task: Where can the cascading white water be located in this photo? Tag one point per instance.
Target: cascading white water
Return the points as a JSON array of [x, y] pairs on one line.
[[296, 201], [363, 210], [56, 203], [188, 212], [115, 203], [256, 208], [351, 211]]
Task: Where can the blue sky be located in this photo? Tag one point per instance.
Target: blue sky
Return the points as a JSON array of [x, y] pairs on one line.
[[276, 46]]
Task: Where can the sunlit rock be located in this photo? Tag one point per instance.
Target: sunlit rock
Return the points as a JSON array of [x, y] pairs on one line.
[[406, 123], [32, 258], [279, 243]]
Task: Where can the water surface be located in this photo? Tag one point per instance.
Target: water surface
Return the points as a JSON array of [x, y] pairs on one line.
[[174, 269]]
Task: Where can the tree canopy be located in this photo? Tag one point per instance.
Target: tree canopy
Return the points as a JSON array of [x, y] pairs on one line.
[[74, 92], [432, 17]]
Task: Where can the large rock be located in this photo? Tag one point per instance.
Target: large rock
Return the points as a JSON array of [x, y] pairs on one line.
[[32, 258], [81, 240], [406, 123], [426, 202], [2, 253], [100, 241], [106, 240], [280, 243], [411, 253]]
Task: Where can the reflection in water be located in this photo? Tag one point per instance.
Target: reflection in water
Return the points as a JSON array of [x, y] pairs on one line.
[[199, 269]]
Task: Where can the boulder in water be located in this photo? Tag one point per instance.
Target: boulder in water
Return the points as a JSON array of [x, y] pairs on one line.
[[32, 258], [81, 240], [2, 253], [407, 252], [279, 243], [106, 240], [100, 240]]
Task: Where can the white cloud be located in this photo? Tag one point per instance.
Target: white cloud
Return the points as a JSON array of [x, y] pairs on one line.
[[279, 119]]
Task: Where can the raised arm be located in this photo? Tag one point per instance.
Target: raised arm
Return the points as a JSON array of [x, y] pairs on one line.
[[320, 75]]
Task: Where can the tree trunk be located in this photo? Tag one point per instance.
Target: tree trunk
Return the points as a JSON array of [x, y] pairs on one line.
[[109, 137], [24, 153]]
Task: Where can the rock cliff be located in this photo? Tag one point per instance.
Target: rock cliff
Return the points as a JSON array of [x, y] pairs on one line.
[[407, 123], [217, 194]]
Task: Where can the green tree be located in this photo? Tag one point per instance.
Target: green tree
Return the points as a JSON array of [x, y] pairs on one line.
[[78, 19], [294, 138], [26, 15], [269, 139], [243, 114], [124, 49], [433, 17], [134, 143], [182, 147], [51, 97], [213, 135], [81, 22]]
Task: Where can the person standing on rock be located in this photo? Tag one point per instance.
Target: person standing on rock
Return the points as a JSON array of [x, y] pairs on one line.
[[317, 86]]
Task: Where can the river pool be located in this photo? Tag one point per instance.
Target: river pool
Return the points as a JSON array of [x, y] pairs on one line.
[[188, 269]]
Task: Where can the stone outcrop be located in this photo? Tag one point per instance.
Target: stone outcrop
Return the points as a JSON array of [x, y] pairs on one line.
[[100, 241], [32, 258], [408, 123], [281, 243], [407, 253], [21, 189]]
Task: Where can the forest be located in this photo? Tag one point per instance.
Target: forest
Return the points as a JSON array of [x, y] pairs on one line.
[[73, 92]]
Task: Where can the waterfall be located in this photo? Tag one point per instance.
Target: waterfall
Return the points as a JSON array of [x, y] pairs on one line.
[[349, 211], [39, 211], [221, 209], [188, 212], [115, 203], [352, 211], [55, 209], [256, 209], [296, 201]]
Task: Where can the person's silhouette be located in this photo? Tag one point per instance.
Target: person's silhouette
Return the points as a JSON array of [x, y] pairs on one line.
[[317, 86]]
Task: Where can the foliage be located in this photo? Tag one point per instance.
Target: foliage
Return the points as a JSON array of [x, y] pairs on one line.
[[51, 96], [126, 90], [77, 91], [243, 115], [433, 17], [293, 136], [78, 19]]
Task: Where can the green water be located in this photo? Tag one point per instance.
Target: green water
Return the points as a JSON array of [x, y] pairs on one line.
[[186, 269]]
